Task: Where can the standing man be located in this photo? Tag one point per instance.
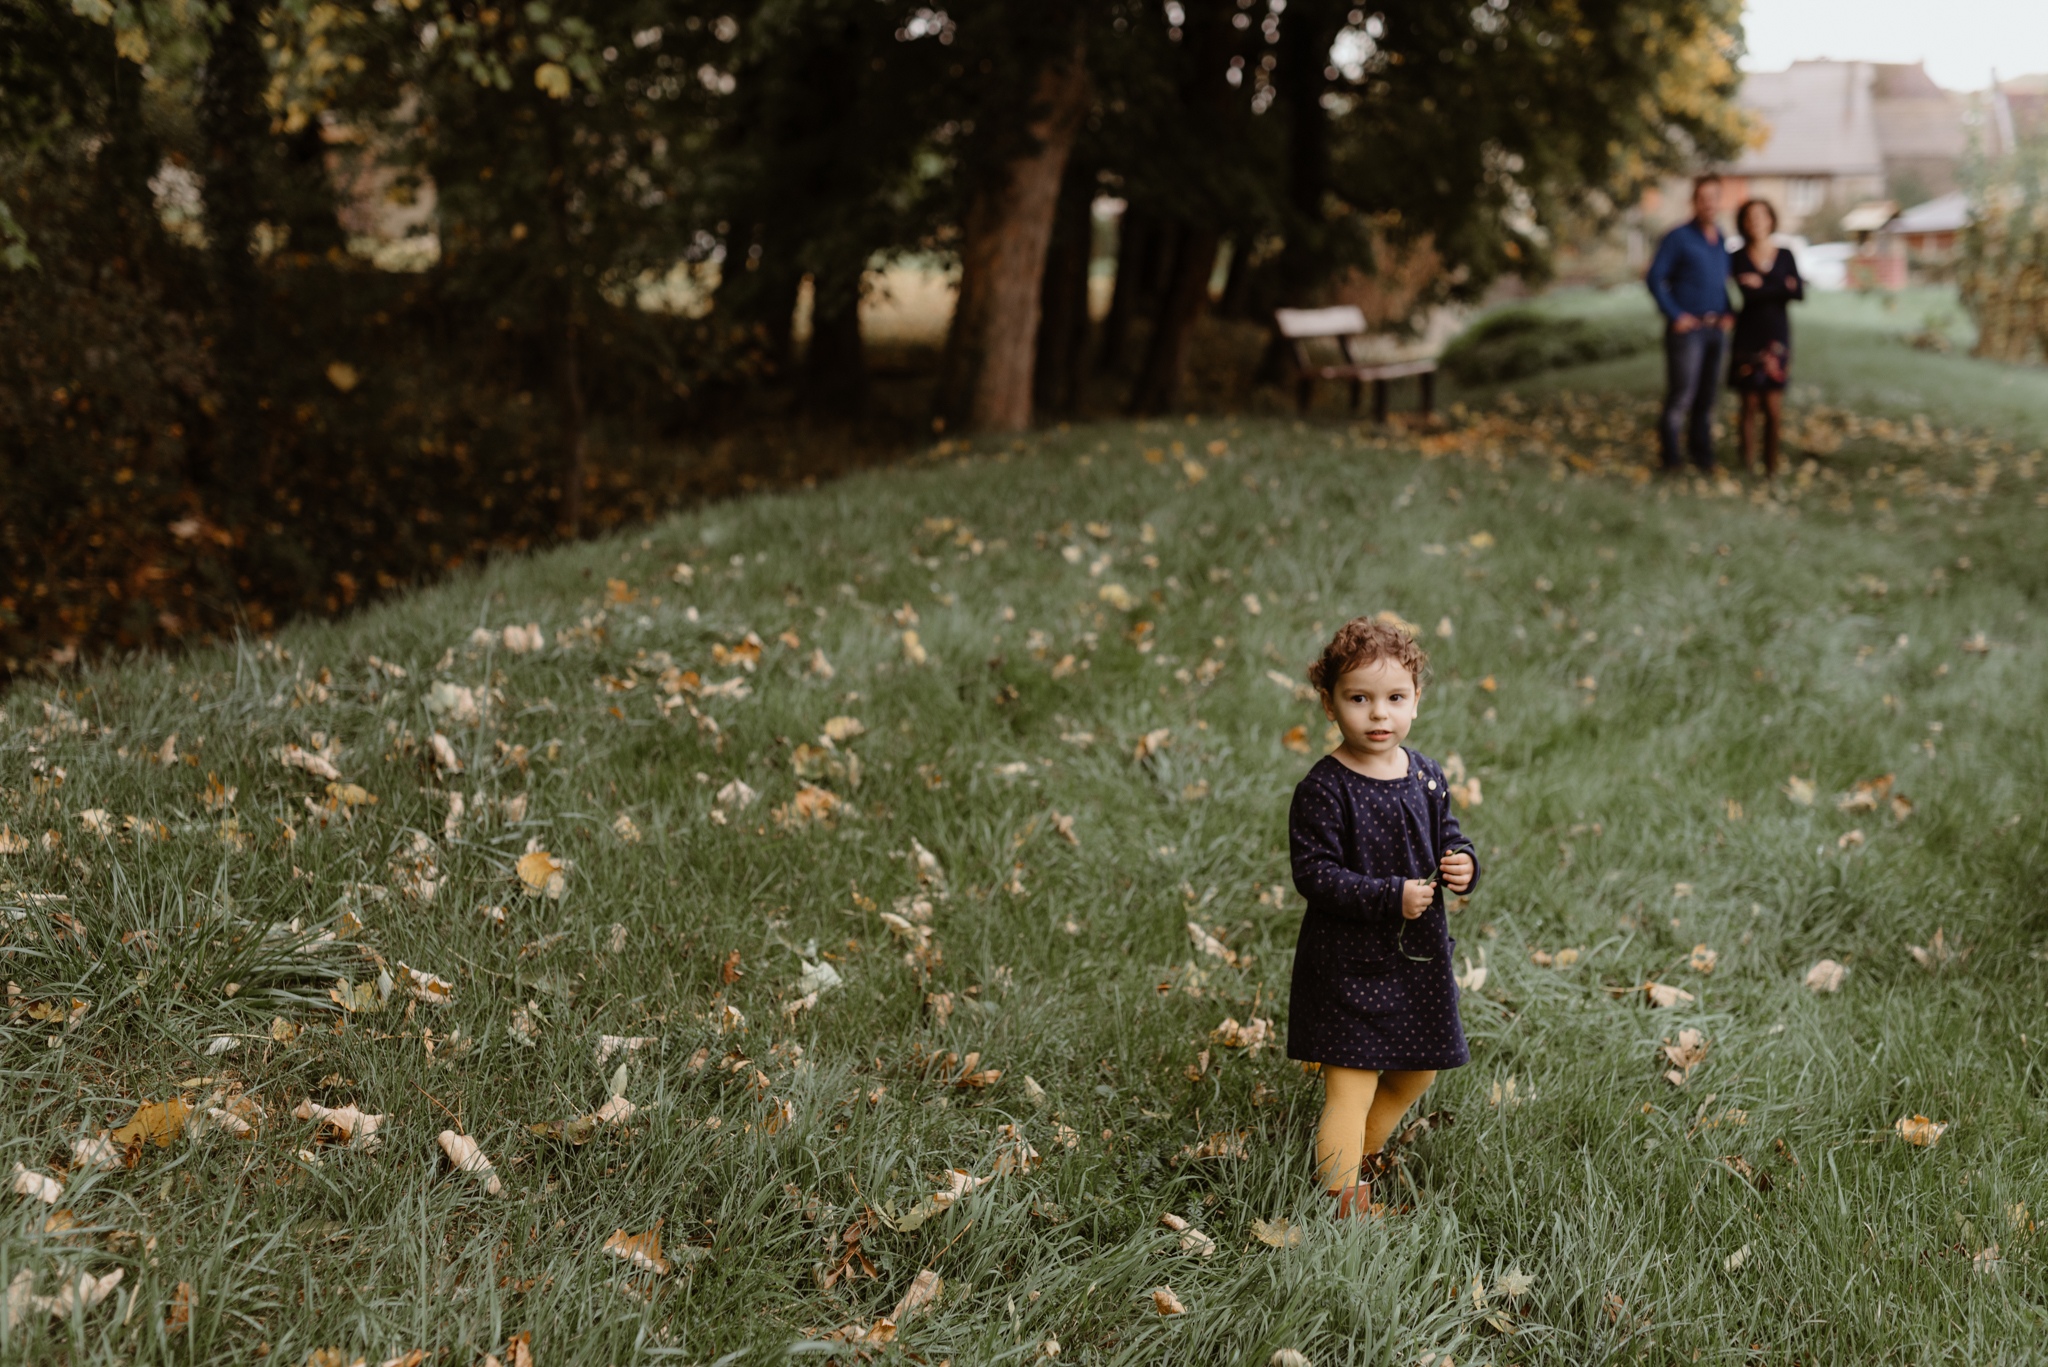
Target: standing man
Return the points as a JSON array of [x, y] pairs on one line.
[[1689, 280]]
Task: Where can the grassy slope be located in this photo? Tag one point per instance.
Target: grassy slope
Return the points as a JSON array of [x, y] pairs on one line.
[[1732, 646]]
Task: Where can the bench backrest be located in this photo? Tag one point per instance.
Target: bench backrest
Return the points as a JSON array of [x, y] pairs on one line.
[[1299, 324]]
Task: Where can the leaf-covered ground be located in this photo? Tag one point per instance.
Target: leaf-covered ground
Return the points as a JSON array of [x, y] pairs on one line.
[[1710, 738]]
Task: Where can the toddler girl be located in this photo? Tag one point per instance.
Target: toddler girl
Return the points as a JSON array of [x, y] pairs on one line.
[[1374, 998]]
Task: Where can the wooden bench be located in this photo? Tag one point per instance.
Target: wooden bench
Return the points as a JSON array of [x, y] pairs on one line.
[[1346, 326]]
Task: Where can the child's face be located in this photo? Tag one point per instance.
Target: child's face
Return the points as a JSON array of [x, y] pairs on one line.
[[1374, 705]]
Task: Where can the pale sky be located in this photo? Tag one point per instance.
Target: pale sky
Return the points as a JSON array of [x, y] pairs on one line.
[[1960, 40]]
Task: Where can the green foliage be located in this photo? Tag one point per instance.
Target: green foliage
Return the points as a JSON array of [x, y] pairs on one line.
[[1512, 343], [1622, 1199]]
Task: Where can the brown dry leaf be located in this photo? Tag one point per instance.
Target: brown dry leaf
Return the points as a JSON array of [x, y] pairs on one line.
[[345, 1123], [154, 1122], [1152, 742], [178, 1315], [1704, 959], [445, 758], [311, 761], [1165, 1302], [1687, 1054], [924, 1289], [1254, 1035], [1064, 827], [426, 987], [730, 971], [1222, 1144], [1902, 807], [1296, 739], [1849, 840], [465, 1156], [1277, 1233], [840, 730], [1800, 790], [642, 1251], [10, 843], [1935, 954], [1192, 1240], [542, 874], [1663, 995], [607, 1045], [83, 1293], [1919, 1131], [914, 652], [1865, 796]]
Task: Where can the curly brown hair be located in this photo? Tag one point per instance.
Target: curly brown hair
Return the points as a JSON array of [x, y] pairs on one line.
[[1362, 640]]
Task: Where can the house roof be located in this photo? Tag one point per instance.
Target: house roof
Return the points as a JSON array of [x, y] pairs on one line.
[[1818, 121], [1947, 214]]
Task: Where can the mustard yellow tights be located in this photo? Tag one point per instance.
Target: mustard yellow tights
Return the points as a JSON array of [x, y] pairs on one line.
[[1361, 1107]]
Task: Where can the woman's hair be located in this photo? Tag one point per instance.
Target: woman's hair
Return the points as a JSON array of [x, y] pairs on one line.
[[1363, 640], [1742, 215]]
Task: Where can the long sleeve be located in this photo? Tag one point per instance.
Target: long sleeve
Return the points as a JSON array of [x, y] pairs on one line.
[[1776, 288], [1659, 277], [1455, 839], [1316, 844]]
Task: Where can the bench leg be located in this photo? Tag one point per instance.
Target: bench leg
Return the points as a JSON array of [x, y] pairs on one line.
[[1379, 402], [1304, 390], [1428, 378], [1356, 388]]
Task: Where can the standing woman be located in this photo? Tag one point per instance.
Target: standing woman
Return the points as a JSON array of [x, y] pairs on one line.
[[1760, 357]]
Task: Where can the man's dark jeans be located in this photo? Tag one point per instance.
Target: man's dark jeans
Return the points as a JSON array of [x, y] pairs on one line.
[[1693, 362]]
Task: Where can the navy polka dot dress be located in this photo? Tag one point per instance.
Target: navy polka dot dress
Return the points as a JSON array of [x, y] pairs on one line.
[[1367, 993]]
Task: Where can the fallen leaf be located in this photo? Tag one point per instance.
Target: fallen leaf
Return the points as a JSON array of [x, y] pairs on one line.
[[1254, 1035], [318, 765], [1703, 959], [524, 640], [1513, 1283], [1660, 994], [1919, 1131], [1734, 1261], [1687, 1054], [924, 1289], [345, 1123], [1117, 596], [642, 1251], [426, 987], [1865, 796], [154, 1122], [1800, 790], [1210, 945], [1192, 1240], [542, 873], [607, 1045], [1296, 739], [1152, 742], [1473, 978], [1165, 1302], [1826, 976], [84, 1293], [1277, 1233], [37, 1186], [1849, 840], [914, 652], [465, 1156], [623, 827], [96, 1152], [735, 796], [178, 1314]]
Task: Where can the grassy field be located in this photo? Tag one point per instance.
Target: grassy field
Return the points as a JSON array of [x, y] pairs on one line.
[[1666, 694]]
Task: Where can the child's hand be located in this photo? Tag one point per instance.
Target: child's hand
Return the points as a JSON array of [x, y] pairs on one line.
[[1457, 871], [1416, 895]]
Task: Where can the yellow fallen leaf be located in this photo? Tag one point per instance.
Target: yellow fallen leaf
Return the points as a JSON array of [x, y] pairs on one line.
[[1117, 596], [1152, 742], [341, 1122], [1704, 959], [1296, 739], [543, 874], [1687, 1053], [154, 1122], [1919, 1131], [36, 1186], [642, 1251], [924, 1289], [839, 730], [1865, 796], [1800, 790], [426, 987], [312, 762], [1165, 1302], [914, 652]]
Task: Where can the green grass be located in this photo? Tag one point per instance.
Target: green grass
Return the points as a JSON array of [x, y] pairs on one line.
[[1732, 645]]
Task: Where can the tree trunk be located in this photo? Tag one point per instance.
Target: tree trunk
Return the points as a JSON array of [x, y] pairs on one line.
[[1063, 326], [1137, 234], [835, 370], [1299, 82], [234, 125], [568, 301], [1187, 293], [985, 375]]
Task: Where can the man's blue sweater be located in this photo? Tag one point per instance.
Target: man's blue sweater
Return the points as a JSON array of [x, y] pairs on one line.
[[1689, 273]]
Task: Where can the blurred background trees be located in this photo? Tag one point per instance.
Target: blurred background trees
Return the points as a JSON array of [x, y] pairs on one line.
[[301, 300]]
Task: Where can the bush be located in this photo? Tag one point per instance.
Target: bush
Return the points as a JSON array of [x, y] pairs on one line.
[[1519, 342]]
